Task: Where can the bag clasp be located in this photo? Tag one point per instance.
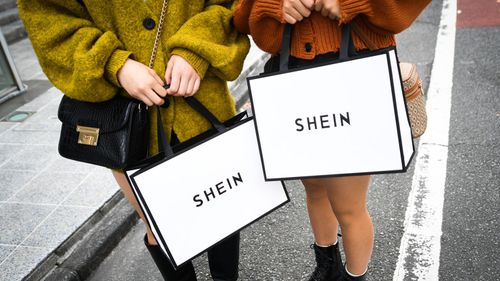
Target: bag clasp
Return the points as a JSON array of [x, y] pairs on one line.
[[87, 135]]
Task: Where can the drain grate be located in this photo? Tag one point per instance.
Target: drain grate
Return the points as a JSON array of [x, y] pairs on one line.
[[17, 116]]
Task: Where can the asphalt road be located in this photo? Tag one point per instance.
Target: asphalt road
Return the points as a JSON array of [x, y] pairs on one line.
[[277, 247]]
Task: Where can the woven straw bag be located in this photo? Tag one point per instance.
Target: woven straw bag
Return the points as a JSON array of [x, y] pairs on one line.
[[415, 99], [414, 95]]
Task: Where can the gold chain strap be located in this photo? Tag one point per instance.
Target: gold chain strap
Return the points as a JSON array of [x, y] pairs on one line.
[[158, 33]]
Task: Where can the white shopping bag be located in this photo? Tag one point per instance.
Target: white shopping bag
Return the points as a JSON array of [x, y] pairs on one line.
[[342, 118], [206, 193]]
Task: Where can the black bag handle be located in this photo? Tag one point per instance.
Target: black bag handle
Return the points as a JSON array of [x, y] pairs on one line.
[[346, 45], [201, 109], [285, 47], [163, 144]]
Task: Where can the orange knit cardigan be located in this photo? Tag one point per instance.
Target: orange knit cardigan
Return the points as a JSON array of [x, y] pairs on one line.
[[376, 20]]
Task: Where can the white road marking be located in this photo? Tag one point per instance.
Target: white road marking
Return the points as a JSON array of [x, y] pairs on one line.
[[421, 242]]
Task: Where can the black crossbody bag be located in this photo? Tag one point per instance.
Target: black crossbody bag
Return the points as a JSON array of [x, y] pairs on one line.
[[112, 134]]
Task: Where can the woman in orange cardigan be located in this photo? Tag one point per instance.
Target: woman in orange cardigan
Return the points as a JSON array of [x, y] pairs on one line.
[[316, 36]]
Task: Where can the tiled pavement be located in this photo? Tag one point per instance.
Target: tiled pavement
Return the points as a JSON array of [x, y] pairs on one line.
[[44, 198]]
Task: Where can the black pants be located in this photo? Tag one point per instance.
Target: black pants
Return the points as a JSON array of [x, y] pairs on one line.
[[223, 259]]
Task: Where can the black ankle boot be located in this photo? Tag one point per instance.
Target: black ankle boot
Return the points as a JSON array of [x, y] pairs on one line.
[[224, 258], [328, 263], [346, 277], [183, 273]]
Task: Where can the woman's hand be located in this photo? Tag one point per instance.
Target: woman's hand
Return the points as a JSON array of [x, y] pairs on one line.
[[182, 77], [297, 10], [328, 8], [141, 82]]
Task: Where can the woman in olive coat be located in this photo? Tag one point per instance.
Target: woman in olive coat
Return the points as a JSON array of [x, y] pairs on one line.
[[93, 50]]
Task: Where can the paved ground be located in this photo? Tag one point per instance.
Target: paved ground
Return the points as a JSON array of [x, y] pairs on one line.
[[470, 244], [43, 197]]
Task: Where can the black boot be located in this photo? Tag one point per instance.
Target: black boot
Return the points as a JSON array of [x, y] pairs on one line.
[[183, 273], [346, 277], [224, 258], [328, 263]]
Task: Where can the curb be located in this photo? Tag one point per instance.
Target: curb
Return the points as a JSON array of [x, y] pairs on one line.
[[89, 245], [77, 259]]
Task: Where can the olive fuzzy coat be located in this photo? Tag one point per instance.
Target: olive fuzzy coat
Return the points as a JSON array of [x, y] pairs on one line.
[[82, 47]]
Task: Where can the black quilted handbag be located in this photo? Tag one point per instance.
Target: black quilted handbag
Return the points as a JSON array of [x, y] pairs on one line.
[[113, 134]]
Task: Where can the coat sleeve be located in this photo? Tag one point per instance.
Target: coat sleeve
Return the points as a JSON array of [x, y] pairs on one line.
[[385, 17], [264, 20], [209, 40], [241, 15], [78, 58]]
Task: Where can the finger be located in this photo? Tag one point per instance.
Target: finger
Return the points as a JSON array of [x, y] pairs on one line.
[[296, 15], [336, 10], [174, 84], [318, 6], [309, 4], [325, 12], [333, 16], [289, 19], [303, 10], [332, 7], [156, 77], [144, 99], [183, 86], [168, 72], [152, 96], [196, 85], [190, 87], [159, 90]]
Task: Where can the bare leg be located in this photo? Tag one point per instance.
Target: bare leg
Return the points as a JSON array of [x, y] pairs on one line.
[[347, 196], [323, 221], [127, 191]]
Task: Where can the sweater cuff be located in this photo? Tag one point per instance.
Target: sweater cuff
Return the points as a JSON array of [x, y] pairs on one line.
[[198, 63], [351, 8], [115, 62], [269, 8]]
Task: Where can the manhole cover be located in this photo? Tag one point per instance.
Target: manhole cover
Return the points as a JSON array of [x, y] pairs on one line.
[[17, 116]]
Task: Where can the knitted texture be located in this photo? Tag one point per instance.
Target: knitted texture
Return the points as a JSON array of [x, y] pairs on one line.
[[379, 20], [81, 49]]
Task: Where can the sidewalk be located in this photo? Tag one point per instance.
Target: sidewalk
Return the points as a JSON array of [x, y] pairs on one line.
[[47, 203]]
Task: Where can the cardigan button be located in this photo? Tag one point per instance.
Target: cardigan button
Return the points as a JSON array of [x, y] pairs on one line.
[[308, 47], [149, 23]]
